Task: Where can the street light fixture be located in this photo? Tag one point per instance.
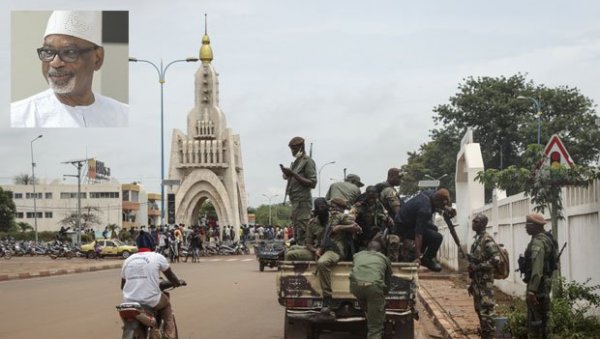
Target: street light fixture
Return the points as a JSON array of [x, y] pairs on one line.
[[161, 79], [438, 179], [269, 198], [34, 194], [538, 109], [319, 177]]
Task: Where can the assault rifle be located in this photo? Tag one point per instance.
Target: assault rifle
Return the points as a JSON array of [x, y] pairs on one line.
[[289, 179], [447, 215]]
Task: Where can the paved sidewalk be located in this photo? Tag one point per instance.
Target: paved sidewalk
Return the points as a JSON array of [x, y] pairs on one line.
[[446, 299], [33, 267]]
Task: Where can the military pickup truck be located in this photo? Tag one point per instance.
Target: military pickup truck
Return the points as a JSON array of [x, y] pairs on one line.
[[299, 291]]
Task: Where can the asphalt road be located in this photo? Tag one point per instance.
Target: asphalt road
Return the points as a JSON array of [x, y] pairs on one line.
[[226, 297]]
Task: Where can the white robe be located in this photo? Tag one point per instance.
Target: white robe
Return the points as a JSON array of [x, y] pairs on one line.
[[45, 110]]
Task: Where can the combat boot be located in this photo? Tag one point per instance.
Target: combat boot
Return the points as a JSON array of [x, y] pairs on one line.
[[431, 264], [326, 308]]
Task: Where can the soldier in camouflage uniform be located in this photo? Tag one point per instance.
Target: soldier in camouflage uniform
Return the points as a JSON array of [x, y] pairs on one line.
[[314, 234], [302, 177], [371, 216], [391, 201], [539, 255], [333, 247], [483, 258], [349, 189], [369, 282]]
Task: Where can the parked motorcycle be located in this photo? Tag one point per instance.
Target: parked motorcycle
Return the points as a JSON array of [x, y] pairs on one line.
[[141, 321], [5, 251], [60, 250]]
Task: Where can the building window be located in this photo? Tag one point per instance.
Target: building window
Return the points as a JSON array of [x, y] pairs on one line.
[[104, 195], [125, 195], [19, 215], [72, 195], [17, 195], [48, 195], [48, 215], [30, 215], [31, 195]]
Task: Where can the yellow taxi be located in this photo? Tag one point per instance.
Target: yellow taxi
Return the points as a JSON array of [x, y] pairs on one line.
[[109, 247]]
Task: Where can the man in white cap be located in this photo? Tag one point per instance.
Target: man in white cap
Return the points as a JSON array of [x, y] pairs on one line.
[[72, 51]]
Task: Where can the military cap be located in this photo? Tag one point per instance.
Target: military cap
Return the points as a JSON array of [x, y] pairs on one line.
[[394, 171], [339, 202], [536, 218], [296, 141], [355, 179], [443, 194]]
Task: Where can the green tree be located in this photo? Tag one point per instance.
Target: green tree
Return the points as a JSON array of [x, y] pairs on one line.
[[24, 179], [89, 218], [24, 227], [7, 211], [208, 210], [504, 126], [280, 214]]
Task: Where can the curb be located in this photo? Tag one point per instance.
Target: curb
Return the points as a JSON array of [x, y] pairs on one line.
[[49, 273], [441, 319]]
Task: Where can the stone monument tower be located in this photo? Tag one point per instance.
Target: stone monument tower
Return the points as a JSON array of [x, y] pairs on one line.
[[208, 159]]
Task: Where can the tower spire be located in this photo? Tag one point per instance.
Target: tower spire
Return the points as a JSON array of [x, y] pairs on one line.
[[206, 54]]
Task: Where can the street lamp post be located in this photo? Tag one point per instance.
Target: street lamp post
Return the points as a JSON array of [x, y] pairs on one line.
[[34, 194], [538, 109], [319, 177], [269, 198], [161, 79]]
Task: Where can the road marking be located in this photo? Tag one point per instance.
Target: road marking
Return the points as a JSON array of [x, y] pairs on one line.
[[232, 260], [247, 260]]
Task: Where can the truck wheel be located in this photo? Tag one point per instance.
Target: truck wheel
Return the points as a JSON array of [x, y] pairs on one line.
[[293, 329], [403, 328], [261, 266]]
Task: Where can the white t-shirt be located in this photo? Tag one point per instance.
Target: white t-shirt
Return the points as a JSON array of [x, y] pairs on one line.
[[45, 110], [141, 272]]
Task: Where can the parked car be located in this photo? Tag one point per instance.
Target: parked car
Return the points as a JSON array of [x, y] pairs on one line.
[[109, 247]]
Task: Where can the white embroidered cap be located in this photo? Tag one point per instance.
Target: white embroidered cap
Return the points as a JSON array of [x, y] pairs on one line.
[[86, 25]]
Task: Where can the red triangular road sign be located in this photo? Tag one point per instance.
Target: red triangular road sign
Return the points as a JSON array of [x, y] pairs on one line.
[[556, 152]]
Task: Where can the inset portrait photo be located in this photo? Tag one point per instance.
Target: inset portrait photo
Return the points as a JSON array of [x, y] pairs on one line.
[[69, 69]]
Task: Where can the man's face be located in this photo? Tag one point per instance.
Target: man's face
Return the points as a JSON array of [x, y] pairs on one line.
[[477, 225], [71, 78], [394, 180], [322, 208], [295, 149], [531, 228]]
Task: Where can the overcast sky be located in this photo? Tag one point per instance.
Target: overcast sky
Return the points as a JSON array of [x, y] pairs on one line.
[[358, 79]]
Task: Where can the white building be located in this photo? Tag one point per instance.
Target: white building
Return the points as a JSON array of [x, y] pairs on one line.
[[126, 205]]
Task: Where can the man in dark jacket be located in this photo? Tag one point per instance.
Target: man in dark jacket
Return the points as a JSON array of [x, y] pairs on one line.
[[414, 221]]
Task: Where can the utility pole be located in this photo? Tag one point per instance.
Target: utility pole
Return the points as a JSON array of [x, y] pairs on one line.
[[79, 165]]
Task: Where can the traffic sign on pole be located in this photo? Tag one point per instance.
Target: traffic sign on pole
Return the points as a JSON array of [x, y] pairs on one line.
[[556, 154]]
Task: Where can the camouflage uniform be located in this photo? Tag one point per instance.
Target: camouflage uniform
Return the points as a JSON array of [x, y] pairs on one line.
[[391, 201], [486, 257], [332, 256], [538, 316], [345, 190], [300, 196], [369, 282], [372, 218], [314, 235]]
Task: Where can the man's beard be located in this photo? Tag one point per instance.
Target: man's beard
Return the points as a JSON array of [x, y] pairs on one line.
[[60, 87]]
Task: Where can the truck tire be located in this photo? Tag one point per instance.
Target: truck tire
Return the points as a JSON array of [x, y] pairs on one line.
[[261, 266], [403, 328]]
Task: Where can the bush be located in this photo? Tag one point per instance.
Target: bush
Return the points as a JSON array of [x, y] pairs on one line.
[[43, 236], [568, 312]]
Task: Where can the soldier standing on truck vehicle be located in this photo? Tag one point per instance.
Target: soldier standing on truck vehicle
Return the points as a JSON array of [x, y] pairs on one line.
[[333, 248], [349, 189], [301, 177], [483, 257], [369, 282], [414, 221], [540, 263], [371, 216], [314, 234], [391, 201]]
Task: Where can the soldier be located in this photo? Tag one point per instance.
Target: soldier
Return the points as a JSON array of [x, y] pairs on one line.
[[414, 221], [371, 216], [483, 258], [391, 201], [349, 189], [333, 247], [369, 283], [540, 261], [301, 177], [314, 234]]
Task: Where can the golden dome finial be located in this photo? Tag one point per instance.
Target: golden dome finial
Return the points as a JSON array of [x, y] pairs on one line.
[[206, 53]]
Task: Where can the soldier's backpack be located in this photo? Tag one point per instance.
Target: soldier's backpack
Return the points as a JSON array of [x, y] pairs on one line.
[[502, 269]]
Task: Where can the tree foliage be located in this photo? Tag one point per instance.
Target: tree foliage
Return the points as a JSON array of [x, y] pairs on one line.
[[7, 211], [24, 179], [504, 126], [89, 218], [280, 214], [24, 227]]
